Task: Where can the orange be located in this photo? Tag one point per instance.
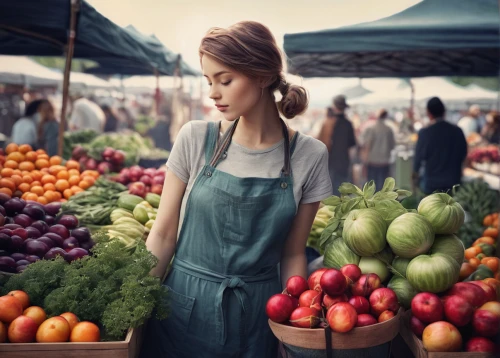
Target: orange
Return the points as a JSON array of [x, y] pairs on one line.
[[89, 178], [38, 190], [71, 318], [41, 151], [17, 172], [72, 164], [54, 169], [85, 332], [68, 193], [492, 262], [21, 296], [16, 156], [36, 313], [475, 262], [62, 185], [488, 220], [6, 191], [25, 148], [36, 175], [63, 174], [49, 186], [43, 156], [31, 196], [31, 156], [6, 172], [47, 178], [73, 172], [17, 179], [84, 184], [57, 196], [35, 183], [55, 160], [42, 200], [484, 239], [55, 329], [74, 180], [466, 270], [11, 148], [76, 189], [24, 195], [44, 171], [28, 166], [472, 252], [10, 164], [41, 163], [8, 183], [28, 179], [491, 232], [24, 187], [49, 195]]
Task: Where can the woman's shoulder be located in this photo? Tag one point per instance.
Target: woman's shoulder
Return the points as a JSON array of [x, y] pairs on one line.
[[309, 146]]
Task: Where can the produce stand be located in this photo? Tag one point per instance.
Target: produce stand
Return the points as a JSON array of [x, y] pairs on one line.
[[129, 348], [418, 350], [492, 180]]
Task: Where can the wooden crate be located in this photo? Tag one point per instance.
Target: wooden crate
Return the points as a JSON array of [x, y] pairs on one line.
[[417, 348], [129, 348], [361, 337]]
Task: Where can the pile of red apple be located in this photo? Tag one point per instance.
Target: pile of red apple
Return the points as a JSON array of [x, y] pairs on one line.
[[466, 318], [112, 160], [141, 181], [342, 299]]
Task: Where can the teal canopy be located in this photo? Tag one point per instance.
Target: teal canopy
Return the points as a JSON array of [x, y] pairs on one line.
[[431, 38]]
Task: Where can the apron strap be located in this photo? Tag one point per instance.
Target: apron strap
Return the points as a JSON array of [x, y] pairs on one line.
[[223, 144], [287, 167], [211, 139]]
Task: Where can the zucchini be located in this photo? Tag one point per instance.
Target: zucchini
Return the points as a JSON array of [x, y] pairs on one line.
[[128, 201], [153, 199]]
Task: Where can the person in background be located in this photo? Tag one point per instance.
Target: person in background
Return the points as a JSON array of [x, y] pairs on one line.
[[127, 121], [441, 150], [48, 128], [491, 131], [470, 123], [160, 133], [111, 121], [24, 130], [378, 144], [337, 134], [86, 115]]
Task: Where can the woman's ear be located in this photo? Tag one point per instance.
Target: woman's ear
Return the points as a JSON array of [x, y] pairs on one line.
[[267, 81]]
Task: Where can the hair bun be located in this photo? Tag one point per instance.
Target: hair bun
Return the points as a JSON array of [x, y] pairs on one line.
[[294, 100]]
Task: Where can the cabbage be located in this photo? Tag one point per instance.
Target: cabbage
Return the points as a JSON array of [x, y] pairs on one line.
[[403, 289], [410, 235], [399, 265], [364, 232], [373, 265], [337, 254], [450, 245], [386, 255], [433, 273], [443, 212]]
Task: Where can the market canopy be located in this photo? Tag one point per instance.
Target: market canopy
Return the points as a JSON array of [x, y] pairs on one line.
[[40, 28], [23, 71], [431, 38]]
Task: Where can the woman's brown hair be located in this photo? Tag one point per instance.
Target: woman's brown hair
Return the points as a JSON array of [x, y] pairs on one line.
[[249, 47]]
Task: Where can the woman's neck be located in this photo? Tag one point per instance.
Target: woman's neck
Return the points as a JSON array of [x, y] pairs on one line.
[[261, 127]]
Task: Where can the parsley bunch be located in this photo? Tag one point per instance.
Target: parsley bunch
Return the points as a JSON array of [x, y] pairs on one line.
[[111, 288]]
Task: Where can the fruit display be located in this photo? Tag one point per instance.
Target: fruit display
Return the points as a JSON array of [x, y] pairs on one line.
[[33, 231], [486, 159], [33, 175], [141, 181], [464, 318], [77, 138], [109, 160], [341, 299], [111, 289]]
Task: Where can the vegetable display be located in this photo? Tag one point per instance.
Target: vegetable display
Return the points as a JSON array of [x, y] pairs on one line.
[[141, 181], [478, 199]]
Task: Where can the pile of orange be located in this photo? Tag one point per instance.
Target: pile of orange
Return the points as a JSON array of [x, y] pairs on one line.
[[33, 175]]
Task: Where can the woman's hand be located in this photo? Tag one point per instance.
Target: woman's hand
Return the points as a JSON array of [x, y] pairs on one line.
[[293, 258], [162, 239]]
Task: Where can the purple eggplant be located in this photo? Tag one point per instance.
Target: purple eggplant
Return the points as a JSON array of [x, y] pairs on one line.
[[32, 258], [12, 226], [70, 243], [4, 198], [4, 241], [22, 263], [7, 232], [76, 253], [82, 234], [34, 211], [7, 264], [54, 252], [18, 256], [58, 241], [50, 243], [53, 208], [50, 220], [87, 245], [23, 233], [37, 248], [60, 230], [69, 221], [16, 243], [14, 206], [41, 226], [8, 220], [33, 233], [23, 220], [20, 269]]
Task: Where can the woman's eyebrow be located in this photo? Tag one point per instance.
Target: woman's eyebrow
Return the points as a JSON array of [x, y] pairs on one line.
[[218, 73]]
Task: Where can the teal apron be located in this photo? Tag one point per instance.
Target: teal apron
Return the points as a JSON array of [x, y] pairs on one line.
[[226, 262]]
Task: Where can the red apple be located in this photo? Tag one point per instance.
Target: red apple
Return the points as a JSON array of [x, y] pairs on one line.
[[485, 323], [295, 302], [329, 301], [427, 307], [333, 282], [480, 344], [305, 317], [442, 336], [458, 311], [472, 293], [314, 279], [490, 293], [417, 326], [22, 330], [279, 307], [366, 285], [352, 272], [365, 319], [341, 317], [360, 304], [383, 299], [385, 316], [493, 307], [312, 299], [10, 308], [296, 285]]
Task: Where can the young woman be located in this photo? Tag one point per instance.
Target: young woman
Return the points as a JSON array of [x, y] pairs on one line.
[[48, 128], [244, 193]]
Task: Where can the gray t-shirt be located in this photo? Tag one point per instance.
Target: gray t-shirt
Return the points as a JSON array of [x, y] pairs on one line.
[[309, 162]]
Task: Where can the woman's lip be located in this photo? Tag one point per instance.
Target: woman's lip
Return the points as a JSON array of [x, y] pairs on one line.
[[220, 106]]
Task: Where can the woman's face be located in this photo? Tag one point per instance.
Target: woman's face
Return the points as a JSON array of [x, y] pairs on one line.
[[234, 93], [46, 110]]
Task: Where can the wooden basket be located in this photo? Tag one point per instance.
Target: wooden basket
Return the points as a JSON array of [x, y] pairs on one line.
[[129, 348], [417, 348], [357, 338]]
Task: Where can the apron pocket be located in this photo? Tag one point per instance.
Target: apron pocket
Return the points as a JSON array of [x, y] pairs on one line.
[[180, 309]]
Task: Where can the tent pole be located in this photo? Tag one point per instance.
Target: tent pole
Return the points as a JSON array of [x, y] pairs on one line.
[[412, 101], [75, 7], [157, 94]]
